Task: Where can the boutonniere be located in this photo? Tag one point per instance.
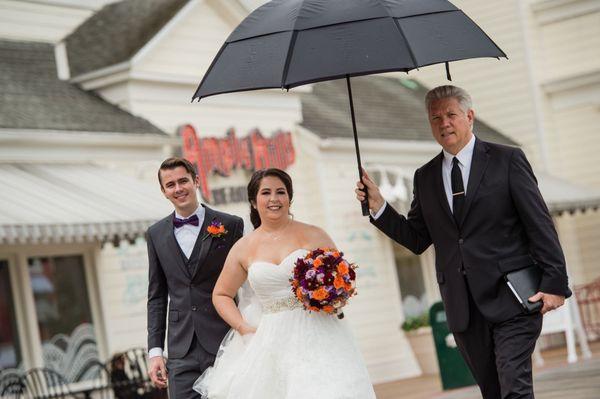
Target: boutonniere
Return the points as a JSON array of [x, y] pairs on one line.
[[216, 229]]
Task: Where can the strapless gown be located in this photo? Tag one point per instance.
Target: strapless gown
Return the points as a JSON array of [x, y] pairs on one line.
[[294, 354]]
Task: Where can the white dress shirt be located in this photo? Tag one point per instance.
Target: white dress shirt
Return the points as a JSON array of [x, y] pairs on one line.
[[186, 237], [464, 156], [187, 234]]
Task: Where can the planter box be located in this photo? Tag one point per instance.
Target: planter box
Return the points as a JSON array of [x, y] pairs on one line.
[[421, 341]]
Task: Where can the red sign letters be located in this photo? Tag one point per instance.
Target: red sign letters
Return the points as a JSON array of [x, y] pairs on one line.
[[222, 155]]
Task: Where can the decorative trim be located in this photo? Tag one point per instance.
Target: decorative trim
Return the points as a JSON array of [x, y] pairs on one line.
[[164, 31], [572, 82], [549, 11], [62, 61], [574, 91], [58, 137], [101, 73], [92, 5]]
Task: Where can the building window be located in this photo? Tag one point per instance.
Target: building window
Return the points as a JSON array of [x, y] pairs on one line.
[[63, 314], [412, 283], [10, 352]]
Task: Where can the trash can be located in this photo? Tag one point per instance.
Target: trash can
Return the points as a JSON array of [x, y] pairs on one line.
[[453, 370]]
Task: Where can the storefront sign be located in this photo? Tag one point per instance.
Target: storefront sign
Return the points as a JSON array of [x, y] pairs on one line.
[[223, 155]]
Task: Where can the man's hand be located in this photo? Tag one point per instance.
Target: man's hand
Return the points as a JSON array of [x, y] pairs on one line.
[[158, 371], [550, 301], [376, 200]]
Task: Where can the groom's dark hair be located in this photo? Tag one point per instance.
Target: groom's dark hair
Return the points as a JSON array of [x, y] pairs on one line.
[[254, 185], [175, 162]]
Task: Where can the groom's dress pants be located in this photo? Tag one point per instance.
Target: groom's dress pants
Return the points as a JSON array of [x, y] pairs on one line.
[[185, 371], [499, 355]]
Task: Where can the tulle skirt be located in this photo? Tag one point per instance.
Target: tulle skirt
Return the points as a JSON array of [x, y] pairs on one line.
[[294, 354]]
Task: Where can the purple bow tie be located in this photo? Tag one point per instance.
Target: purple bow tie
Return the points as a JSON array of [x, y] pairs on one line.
[[193, 220]]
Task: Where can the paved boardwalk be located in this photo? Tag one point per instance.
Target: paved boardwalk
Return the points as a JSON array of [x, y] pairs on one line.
[[557, 379]]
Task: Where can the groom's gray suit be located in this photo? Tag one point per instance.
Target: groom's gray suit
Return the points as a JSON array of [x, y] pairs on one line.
[[195, 330]]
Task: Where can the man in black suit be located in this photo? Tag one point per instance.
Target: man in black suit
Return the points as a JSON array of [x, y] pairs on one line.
[[479, 205], [186, 252]]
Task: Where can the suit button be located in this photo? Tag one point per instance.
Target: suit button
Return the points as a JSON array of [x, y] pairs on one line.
[[460, 241], [194, 308]]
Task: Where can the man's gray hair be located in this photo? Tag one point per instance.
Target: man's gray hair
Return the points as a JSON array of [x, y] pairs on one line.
[[449, 91]]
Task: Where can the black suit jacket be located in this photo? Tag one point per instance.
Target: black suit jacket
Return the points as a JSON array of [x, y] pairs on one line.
[[505, 226], [188, 284]]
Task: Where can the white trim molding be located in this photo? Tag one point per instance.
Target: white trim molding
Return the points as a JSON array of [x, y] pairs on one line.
[[574, 91], [57, 137], [549, 11], [62, 61]]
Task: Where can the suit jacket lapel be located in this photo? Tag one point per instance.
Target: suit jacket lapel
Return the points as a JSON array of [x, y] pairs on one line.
[[174, 248], [440, 192], [203, 242], [478, 165]]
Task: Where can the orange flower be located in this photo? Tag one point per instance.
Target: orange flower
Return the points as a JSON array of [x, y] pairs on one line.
[[328, 309], [318, 262], [299, 294], [320, 294], [314, 309], [339, 282], [342, 267], [216, 229], [336, 254]]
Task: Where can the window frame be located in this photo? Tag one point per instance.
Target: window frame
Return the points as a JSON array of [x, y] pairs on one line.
[[26, 315]]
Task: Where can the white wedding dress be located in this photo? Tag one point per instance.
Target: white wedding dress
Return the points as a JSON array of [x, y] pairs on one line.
[[294, 354]]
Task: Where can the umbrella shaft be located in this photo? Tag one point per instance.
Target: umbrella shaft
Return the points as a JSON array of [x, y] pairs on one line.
[[365, 203]]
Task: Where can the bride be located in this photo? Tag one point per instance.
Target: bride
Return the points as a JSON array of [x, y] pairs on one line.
[[290, 353]]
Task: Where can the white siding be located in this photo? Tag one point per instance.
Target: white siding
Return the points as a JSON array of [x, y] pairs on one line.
[[123, 286], [571, 47], [189, 46], [501, 89], [35, 21]]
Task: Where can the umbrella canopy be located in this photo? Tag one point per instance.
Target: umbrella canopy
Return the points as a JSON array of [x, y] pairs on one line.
[[288, 43]]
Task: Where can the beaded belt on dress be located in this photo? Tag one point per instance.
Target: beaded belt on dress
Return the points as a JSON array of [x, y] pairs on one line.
[[281, 304]]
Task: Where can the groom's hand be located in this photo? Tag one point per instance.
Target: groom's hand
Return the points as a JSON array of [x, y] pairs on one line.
[[158, 371], [550, 301], [376, 200]]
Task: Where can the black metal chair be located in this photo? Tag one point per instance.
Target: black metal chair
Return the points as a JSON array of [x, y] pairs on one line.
[[45, 383], [12, 385], [129, 376], [94, 381]]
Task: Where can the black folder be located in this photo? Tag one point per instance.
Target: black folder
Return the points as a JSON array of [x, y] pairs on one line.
[[524, 283]]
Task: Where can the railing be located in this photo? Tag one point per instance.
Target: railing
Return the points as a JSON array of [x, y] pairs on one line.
[[588, 299], [125, 376]]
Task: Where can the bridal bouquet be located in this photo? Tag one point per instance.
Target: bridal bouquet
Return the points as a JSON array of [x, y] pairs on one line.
[[323, 280]]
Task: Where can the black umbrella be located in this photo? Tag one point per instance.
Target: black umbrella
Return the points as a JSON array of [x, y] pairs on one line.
[[288, 43]]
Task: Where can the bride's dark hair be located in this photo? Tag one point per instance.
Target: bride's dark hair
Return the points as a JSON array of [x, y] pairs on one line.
[[254, 185]]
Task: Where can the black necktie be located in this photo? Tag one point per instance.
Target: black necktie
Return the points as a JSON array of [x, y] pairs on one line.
[[458, 191]]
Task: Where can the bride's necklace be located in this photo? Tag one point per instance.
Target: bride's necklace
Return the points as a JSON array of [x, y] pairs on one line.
[[276, 234]]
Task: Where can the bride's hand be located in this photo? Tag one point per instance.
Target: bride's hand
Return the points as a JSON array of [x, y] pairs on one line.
[[245, 328]]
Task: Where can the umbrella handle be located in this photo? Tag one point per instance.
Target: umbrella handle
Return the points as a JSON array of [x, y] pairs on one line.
[[365, 203]]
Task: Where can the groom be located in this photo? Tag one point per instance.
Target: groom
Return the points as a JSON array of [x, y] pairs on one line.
[[479, 205], [186, 252]]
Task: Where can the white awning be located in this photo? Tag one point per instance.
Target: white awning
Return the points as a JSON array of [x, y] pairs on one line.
[[56, 203], [563, 196]]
